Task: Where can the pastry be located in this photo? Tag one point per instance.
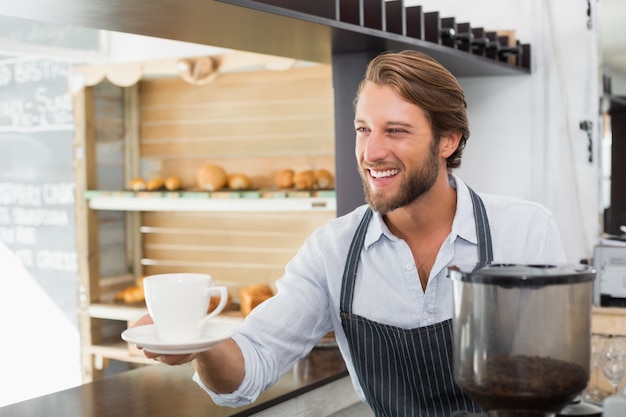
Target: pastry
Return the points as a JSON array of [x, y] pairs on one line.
[[253, 295], [173, 183], [138, 184], [239, 182], [304, 180], [212, 177], [154, 184], [324, 179], [132, 294], [215, 301], [284, 179]]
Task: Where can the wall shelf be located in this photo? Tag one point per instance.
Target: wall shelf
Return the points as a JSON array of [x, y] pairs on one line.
[[117, 351], [116, 311], [261, 27], [206, 201], [323, 17]]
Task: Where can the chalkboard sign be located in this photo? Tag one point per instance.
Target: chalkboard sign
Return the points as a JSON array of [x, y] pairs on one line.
[[37, 179], [31, 32]]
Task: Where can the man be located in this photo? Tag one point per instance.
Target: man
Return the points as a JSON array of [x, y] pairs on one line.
[[378, 275]]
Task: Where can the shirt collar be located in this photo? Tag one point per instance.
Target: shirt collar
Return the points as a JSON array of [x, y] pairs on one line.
[[462, 226]]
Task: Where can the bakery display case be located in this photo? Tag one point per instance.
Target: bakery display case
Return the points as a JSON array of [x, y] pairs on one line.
[[256, 123]]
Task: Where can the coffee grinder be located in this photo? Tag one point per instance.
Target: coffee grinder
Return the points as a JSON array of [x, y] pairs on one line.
[[522, 337]]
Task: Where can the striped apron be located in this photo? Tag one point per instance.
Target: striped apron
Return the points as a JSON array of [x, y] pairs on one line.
[[406, 372]]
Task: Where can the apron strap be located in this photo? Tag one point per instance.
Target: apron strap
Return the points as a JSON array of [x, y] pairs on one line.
[[352, 261], [483, 233]]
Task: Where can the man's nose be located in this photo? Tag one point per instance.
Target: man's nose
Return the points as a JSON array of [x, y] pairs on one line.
[[375, 147]]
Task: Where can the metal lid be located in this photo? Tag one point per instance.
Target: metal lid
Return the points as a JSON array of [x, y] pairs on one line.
[[526, 275]]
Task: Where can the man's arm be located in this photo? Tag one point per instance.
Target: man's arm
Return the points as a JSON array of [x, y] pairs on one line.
[[221, 368]]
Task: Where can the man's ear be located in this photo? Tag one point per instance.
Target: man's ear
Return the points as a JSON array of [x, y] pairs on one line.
[[449, 143]]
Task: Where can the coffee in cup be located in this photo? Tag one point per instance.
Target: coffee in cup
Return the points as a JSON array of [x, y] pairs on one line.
[[178, 304]]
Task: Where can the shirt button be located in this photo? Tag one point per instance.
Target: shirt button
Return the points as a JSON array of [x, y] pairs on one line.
[[409, 267], [425, 316]]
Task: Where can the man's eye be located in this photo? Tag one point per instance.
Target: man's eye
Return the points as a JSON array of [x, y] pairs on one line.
[[361, 129], [396, 131]]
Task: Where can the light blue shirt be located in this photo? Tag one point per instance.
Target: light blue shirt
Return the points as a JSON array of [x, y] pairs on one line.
[[388, 290]]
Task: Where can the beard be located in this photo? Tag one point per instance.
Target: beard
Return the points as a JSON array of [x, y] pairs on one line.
[[412, 186]]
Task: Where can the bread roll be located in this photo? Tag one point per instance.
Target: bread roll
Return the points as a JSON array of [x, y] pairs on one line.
[[132, 294], [155, 184], [173, 183], [215, 301], [304, 180], [284, 179], [324, 180], [138, 184], [253, 295], [212, 177], [239, 182]]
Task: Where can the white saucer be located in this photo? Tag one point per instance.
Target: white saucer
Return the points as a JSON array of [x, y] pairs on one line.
[[213, 333]]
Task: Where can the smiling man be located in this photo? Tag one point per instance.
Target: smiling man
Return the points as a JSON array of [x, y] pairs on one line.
[[378, 276]]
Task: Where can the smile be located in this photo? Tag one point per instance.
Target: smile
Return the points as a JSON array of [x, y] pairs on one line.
[[383, 174]]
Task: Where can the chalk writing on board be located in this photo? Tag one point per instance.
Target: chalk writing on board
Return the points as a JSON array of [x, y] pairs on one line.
[[26, 211], [61, 37], [35, 95]]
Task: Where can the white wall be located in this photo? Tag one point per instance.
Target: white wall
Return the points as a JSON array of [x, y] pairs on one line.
[[525, 138]]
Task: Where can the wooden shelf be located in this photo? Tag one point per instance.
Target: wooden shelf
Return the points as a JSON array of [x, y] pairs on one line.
[[133, 312], [116, 311], [118, 351], [206, 201]]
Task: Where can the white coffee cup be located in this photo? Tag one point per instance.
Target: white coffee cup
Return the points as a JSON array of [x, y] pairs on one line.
[[178, 304]]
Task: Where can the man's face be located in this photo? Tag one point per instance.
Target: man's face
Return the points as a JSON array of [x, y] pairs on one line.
[[397, 154]]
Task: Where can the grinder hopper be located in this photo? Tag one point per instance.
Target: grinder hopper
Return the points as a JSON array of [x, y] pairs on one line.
[[522, 336]]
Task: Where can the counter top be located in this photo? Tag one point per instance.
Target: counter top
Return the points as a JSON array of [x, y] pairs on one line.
[[162, 390], [608, 320]]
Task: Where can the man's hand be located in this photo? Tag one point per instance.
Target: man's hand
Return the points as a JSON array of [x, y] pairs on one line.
[[167, 359], [220, 368]]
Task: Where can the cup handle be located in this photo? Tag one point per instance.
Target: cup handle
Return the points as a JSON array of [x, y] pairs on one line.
[[223, 292]]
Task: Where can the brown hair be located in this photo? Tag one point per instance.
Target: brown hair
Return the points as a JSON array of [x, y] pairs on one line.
[[423, 81]]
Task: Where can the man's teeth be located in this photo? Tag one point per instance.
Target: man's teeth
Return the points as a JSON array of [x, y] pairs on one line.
[[382, 174]]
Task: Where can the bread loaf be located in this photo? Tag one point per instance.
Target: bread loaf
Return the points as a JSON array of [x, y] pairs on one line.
[[304, 180], [253, 295], [324, 179], [284, 179], [239, 182], [173, 183], [132, 294], [138, 184], [212, 177], [215, 301], [155, 184]]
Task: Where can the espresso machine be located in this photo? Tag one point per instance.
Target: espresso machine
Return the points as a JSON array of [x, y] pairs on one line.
[[522, 338]]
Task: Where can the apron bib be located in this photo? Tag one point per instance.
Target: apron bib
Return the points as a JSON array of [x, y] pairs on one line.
[[406, 372]]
